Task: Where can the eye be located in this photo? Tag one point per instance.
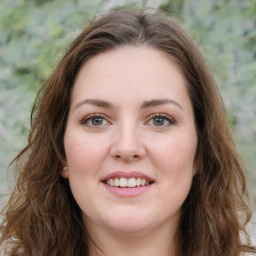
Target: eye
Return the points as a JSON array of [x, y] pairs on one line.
[[94, 120], [161, 120]]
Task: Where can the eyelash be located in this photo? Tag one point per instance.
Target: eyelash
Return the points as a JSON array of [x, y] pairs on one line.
[[165, 117], [88, 118]]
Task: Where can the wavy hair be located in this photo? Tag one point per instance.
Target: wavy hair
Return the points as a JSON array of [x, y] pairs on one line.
[[42, 218]]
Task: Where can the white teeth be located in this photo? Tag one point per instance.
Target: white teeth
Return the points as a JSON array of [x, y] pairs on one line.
[[131, 183], [124, 182], [112, 183], [117, 183]]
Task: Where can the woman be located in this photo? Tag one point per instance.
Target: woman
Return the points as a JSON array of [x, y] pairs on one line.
[[130, 152]]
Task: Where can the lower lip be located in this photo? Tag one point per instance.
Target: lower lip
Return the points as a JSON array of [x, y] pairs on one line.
[[128, 192]]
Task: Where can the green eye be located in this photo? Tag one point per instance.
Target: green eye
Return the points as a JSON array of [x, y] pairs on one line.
[[159, 121], [96, 121]]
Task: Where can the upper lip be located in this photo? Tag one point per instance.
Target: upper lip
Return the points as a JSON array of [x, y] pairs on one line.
[[126, 174]]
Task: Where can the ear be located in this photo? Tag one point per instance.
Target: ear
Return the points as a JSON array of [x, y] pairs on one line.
[[64, 172]]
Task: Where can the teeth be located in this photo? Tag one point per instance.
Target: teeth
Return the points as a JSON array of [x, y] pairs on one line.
[[124, 182], [117, 182], [131, 183]]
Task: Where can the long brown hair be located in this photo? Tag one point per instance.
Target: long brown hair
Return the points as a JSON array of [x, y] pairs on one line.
[[42, 217]]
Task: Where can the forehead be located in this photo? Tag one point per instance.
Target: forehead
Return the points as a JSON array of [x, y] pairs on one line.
[[137, 72]]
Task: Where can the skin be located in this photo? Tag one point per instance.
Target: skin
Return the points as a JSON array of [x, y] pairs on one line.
[[127, 136]]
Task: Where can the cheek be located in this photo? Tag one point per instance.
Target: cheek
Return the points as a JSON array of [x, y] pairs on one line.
[[84, 161], [83, 153], [176, 162], [176, 152], [174, 158]]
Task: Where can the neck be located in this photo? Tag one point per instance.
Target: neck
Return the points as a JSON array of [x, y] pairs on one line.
[[159, 242]]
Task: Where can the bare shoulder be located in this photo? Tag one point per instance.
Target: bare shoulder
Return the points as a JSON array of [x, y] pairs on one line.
[[4, 249]]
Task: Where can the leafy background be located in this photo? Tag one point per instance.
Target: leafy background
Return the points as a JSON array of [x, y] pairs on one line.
[[35, 33]]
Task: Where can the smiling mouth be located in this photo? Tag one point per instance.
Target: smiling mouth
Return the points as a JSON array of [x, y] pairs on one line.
[[127, 182]]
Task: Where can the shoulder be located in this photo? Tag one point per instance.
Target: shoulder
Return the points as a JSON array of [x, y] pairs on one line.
[[4, 250]]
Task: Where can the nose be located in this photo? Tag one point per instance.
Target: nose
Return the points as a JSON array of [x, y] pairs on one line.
[[127, 144]]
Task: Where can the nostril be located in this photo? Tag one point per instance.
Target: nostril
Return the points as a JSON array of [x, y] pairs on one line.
[[127, 153], [127, 157]]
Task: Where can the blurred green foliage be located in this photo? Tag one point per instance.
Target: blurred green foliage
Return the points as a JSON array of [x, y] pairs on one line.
[[225, 31], [35, 33]]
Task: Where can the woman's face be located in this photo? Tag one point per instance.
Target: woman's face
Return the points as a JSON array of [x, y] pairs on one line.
[[130, 141]]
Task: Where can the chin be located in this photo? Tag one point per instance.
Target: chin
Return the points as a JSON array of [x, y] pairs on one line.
[[129, 227], [125, 221]]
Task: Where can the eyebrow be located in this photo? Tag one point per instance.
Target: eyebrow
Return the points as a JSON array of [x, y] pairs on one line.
[[145, 104], [156, 102], [96, 102]]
